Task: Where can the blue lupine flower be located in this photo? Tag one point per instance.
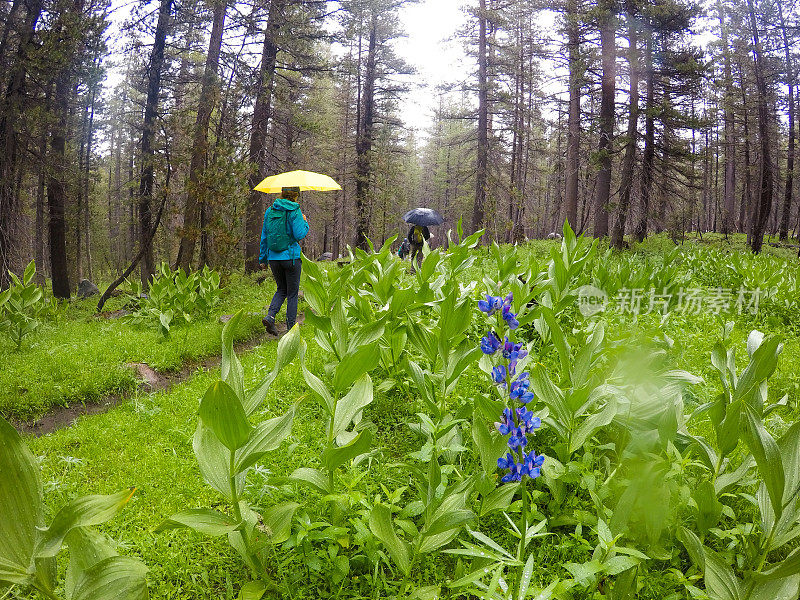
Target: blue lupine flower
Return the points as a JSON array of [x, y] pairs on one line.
[[519, 389], [510, 318], [508, 299], [507, 423], [532, 465], [515, 470], [513, 351], [499, 374], [517, 438], [491, 343], [491, 304]]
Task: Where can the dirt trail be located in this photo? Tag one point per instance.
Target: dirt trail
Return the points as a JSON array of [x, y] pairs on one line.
[[152, 381]]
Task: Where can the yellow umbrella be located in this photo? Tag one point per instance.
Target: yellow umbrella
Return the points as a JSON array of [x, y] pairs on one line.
[[305, 180]]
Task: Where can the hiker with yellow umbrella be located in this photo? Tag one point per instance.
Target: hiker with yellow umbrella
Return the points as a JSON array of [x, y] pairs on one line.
[[285, 225]]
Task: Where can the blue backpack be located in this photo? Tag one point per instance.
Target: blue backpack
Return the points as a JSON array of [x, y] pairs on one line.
[[279, 233]]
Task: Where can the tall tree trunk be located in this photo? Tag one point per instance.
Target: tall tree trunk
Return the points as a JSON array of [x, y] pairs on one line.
[[747, 196], [56, 189], [148, 131], [729, 201], [254, 213], [763, 207], [629, 160], [574, 114], [11, 107], [85, 184], [208, 92], [478, 211], [607, 22], [364, 140], [787, 194], [648, 153]]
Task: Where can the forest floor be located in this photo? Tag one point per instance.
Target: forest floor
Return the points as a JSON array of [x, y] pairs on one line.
[[146, 441]]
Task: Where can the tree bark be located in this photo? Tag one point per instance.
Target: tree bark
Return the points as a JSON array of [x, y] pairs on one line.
[[56, 189], [148, 132], [648, 153], [574, 114], [608, 52], [729, 200], [254, 213], [478, 211], [629, 160], [10, 109], [787, 194], [208, 92], [364, 140], [763, 207]]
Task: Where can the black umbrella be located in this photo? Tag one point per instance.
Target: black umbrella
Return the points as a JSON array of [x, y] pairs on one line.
[[423, 216]]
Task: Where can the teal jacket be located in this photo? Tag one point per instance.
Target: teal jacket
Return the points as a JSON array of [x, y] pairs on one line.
[[298, 226]]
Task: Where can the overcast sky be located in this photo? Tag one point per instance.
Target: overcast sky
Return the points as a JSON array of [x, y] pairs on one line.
[[431, 48]]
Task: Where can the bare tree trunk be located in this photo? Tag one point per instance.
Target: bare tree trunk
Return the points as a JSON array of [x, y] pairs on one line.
[[478, 211], [648, 154], [574, 115], [729, 202], [747, 196], [56, 189], [87, 170], [148, 132], [11, 107], [787, 194], [629, 160], [608, 52], [254, 213], [364, 140], [763, 207], [208, 92]]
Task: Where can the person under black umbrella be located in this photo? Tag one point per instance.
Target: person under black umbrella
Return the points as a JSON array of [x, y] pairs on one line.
[[420, 219]]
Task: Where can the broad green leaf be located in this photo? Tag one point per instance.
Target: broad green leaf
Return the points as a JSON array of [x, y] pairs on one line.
[[618, 564], [30, 271], [82, 512], [214, 461], [380, 523], [222, 411], [709, 508], [359, 396], [490, 447], [21, 502], [288, 347], [266, 437], [787, 588], [451, 520], [114, 578], [231, 369], [365, 336], [333, 457], [278, 520], [788, 566], [721, 582], [499, 499], [253, 590], [87, 547], [312, 477], [354, 365], [203, 520], [789, 446], [594, 422], [625, 585], [320, 390], [768, 459], [12, 573]]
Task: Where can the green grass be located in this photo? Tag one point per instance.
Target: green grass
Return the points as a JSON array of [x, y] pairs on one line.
[[77, 356]]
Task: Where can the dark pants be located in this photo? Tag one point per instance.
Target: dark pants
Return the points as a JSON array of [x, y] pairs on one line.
[[287, 278], [416, 253]]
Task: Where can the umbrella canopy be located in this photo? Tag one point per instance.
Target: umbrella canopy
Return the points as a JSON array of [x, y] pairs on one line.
[[305, 180], [423, 216]]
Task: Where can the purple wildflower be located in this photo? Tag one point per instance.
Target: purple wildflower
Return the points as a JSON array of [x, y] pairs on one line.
[[491, 343]]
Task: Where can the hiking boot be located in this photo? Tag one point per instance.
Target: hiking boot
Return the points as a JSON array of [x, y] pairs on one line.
[[269, 324]]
